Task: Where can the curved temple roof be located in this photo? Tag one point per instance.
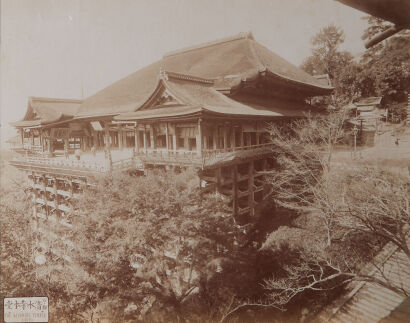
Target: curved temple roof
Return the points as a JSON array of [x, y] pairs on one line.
[[227, 62], [43, 111], [179, 95]]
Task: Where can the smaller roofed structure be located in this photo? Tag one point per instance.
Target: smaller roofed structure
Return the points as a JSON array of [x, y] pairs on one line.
[[46, 111]]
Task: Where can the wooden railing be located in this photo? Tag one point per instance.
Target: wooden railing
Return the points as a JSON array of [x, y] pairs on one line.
[[163, 156], [151, 156], [65, 163], [215, 152]]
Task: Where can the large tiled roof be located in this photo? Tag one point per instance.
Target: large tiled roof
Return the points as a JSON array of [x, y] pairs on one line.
[[43, 111], [227, 62]]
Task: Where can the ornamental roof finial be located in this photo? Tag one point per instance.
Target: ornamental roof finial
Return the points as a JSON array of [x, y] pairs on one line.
[[163, 74]]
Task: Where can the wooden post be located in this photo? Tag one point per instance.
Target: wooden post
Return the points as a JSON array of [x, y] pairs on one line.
[[251, 196], [215, 137], [235, 189], [107, 136], [241, 141], [199, 139], [137, 138], [167, 136], [205, 139], [66, 147], [145, 140], [55, 192], [152, 136], [233, 138], [120, 137], [45, 194], [22, 136], [124, 138], [41, 137], [174, 139], [225, 131]]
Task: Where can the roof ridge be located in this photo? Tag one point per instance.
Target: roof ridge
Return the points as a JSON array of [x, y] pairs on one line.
[[242, 35], [163, 74], [39, 98]]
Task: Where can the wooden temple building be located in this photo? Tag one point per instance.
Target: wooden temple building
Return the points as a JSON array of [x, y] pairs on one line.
[[207, 107]]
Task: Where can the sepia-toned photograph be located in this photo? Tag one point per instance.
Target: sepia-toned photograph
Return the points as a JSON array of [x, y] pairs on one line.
[[205, 161]]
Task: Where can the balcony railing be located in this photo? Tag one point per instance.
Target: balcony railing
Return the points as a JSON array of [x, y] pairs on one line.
[[163, 156], [76, 166], [136, 160], [216, 152]]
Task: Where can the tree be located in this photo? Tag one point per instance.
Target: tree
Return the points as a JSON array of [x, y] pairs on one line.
[[385, 68], [16, 235], [326, 58], [346, 215], [144, 248], [302, 179], [375, 207]]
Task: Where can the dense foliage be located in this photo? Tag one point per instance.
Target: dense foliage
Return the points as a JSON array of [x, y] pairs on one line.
[[383, 70]]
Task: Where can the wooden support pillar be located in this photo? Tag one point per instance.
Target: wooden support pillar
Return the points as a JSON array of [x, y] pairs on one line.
[[137, 138], [258, 134], [215, 138], [41, 137], [95, 139], [124, 139], [145, 139], [235, 189], [152, 136], [45, 194], [50, 145], [205, 140], [22, 136], [241, 141], [120, 138], [233, 137], [66, 147], [174, 139], [35, 194], [85, 146], [251, 181], [55, 192], [199, 139], [248, 138], [225, 131], [167, 136]]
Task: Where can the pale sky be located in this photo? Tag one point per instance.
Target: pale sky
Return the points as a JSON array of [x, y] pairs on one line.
[[74, 48]]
